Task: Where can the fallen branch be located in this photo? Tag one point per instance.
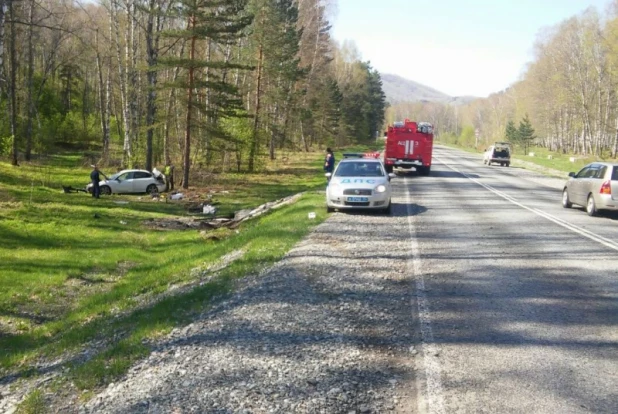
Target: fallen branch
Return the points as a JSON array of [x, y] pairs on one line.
[[243, 215], [207, 223], [69, 189]]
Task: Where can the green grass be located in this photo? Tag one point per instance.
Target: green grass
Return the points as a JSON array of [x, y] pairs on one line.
[[34, 403], [77, 271], [559, 161]]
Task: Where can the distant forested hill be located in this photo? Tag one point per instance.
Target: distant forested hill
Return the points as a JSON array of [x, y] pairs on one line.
[[398, 89]]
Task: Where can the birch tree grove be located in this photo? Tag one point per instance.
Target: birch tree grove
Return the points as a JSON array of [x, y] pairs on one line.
[[202, 84], [569, 92]]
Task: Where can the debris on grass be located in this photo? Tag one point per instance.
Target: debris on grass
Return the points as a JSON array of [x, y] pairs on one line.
[[209, 209], [202, 223], [69, 189], [217, 234]]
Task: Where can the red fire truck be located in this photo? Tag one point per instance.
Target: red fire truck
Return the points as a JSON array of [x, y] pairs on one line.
[[409, 144]]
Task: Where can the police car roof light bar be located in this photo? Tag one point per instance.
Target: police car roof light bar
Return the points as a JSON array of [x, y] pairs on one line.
[[361, 155]]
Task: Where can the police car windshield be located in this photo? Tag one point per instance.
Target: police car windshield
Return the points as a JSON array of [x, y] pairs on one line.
[[359, 169]]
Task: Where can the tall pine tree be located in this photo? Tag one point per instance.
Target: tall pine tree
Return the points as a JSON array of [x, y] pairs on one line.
[[511, 132], [275, 44], [525, 133], [216, 21], [377, 101]]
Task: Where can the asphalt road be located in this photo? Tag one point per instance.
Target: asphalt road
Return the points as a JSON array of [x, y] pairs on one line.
[[516, 297], [479, 293]]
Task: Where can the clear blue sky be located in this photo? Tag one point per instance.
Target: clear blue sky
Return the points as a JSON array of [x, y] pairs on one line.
[[459, 47]]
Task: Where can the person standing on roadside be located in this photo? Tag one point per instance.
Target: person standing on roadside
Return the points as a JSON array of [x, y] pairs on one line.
[[329, 161], [95, 177], [169, 177]]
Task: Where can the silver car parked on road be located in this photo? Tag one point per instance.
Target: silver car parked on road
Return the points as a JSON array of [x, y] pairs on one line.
[[595, 187]]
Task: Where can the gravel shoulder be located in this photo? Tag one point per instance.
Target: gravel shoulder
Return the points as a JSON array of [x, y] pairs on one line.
[[332, 328], [328, 329]]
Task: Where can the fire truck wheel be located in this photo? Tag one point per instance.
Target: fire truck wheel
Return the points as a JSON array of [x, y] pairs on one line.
[[389, 169]]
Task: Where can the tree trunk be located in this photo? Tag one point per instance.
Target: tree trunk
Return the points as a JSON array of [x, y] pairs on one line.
[[103, 101], [30, 107], [316, 47], [256, 120], [207, 104], [286, 116], [303, 140], [152, 50], [187, 152], [170, 101], [615, 146], [273, 133], [133, 82], [123, 79], [3, 80], [13, 84]]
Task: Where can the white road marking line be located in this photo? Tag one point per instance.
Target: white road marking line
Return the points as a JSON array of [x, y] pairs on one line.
[[553, 187], [576, 229], [431, 401]]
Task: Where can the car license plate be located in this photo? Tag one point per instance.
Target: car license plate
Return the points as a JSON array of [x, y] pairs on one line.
[[358, 199]]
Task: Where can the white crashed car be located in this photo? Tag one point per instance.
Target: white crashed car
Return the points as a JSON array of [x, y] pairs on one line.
[[132, 181], [359, 183]]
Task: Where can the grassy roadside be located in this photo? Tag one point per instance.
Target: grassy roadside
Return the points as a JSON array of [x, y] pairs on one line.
[[550, 162], [554, 160], [79, 273]]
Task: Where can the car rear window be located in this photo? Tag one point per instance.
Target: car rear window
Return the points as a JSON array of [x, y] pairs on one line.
[[501, 152], [615, 173]]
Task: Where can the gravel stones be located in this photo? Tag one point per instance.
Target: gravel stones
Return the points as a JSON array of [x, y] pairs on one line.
[[328, 329]]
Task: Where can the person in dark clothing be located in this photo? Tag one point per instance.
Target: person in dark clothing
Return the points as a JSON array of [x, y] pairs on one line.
[[95, 177], [329, 161]]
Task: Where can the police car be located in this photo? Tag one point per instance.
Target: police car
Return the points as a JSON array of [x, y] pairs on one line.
[[359, 182]]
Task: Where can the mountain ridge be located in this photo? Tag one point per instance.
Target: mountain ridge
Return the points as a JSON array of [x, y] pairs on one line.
[[399, 89]]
